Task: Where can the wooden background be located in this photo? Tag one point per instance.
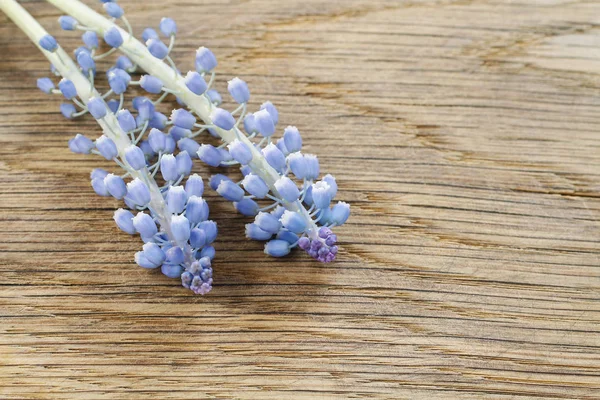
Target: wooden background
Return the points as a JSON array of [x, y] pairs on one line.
[[466, 136]]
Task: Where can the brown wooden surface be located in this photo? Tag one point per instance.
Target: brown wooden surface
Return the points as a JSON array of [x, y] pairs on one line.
[[466, 136]]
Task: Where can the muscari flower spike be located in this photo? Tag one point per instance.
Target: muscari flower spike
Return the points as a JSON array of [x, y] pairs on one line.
[[297, 208]]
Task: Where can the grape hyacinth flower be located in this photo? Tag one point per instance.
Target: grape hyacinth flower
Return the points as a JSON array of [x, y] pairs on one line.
[[276, 171], [172, 219]]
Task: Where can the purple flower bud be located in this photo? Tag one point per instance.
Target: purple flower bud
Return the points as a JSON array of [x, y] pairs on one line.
[[157, 48], [267, 222], [180, 226], [124, 63], [97, 107], [229, 190], [210, 155], [340, 213], [118, 80], [287, 189], [197, 238], [138, 192], [45, 85], [188, 145], [151, 84], [115, 186], [171, 271], [210, 230], [86, 62], [238, 89], [126, 121], [80, 144], [292, 139], [277, 248], [255, 233], [274, 157], [195, 82], [324, 232], [113, 37], [184, 163], [144, 225], [304, 243], [175, 255], [222, 118], [67, 22], [124, 220], [264, 123], [99, 187], [168, 27], [197, 210], [183, 118], [113, 10], [240, 152], [148, 34], [321, 193], [48, 43], [271, 110], [90, 38], [168, 167], [246, 207], [67, 88], [106, 147], [214, 97], [135, 157], [194, 186], [255, 186], [293, 222], [216, 180], [176, 199], [312, 165], [205, 60]]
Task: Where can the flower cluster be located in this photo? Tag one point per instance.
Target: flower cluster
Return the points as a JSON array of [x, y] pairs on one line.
[[299, 211]]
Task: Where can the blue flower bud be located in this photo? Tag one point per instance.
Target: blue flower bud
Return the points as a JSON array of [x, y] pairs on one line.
[[246, 207], [197, 238], [171, 271], [216, 180], [184, 163], [298, 165], [250, 124], [267, 222], [124, 220], [126, 121], [245, 170], [210, 155], [340, 213], [293, 222], [48, 43], [321, 194], [118, 80], [174, 255], [332, 185], [113, 105], [135, 157], [214, 97], [183, 118], [168, 27], [157, 48], [90, 38], [271, 110], [144, 225], [180, 226], [157, 140], [168, 167], [45, 85], [67, 22], [205, 60], [67, 88], [194, 186], [98, 173], [178, 133], [197, 210], [106, 147], [151, 84], [124, 63], [176, 199], [240, 152], [281, 146], [195, 82], [188, 145], [274, 157], [138, 192], [287, 189], [264, 123], [312, 164], [222, 118], [67, 110], [225, 156], [292, 139], [255, 233], [80, 144], [113, 37], [154, 253], [115, 186], [158, 120], [210, 230], [278, 212], [169, 145], [255, 186], [97, 107], [277, 248], [144, 107], [208, 251], [82, 49], [113, 10], [288, 236], [86, 62], [147, 149], [229, 190], [238, 89], [99, 187], [148, 34], [141, 260]]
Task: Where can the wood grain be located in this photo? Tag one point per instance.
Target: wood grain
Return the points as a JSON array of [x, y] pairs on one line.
[[464, 134]]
